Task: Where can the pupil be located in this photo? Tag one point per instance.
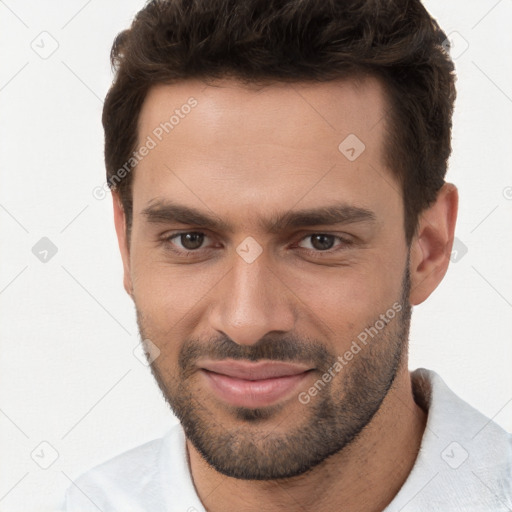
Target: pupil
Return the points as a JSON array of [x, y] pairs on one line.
[[322, 242], [192, 240]]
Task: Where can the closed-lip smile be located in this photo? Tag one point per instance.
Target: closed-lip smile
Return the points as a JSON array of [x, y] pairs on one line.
[[253, 384]]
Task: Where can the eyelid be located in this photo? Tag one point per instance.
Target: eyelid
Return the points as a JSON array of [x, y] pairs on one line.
[[168, 237], [344, 239]]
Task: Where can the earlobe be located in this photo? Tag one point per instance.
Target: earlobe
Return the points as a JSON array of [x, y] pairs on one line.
[[120, 225], [431, 246]]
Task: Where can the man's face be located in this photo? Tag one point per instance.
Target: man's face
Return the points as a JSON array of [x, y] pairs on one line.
[[252, 308]]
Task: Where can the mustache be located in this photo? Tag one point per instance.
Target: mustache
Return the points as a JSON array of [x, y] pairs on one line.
[[273, 348]]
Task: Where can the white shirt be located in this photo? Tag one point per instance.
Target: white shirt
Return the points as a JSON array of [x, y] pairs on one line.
[[464, 465]]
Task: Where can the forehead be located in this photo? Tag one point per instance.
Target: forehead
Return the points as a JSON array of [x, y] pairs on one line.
[[242, 144], [338, 106]]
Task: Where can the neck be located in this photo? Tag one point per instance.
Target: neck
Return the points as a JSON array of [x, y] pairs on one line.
[[364, 476]]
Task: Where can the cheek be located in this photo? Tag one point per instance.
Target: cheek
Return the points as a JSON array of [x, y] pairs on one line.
[[346, 300], [170, 296]]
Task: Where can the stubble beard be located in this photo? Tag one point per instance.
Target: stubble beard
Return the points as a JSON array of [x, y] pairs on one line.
[[251, 446]]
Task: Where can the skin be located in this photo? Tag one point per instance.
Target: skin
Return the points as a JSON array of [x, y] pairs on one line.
[[242, 155]]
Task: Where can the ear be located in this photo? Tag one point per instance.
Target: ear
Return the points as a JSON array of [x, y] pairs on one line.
[[122, 239], [432, 244]]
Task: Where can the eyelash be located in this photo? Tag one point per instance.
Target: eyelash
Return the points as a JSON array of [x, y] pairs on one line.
[[167, 240]]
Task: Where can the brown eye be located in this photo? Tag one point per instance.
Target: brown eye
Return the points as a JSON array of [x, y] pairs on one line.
[[190, 241], [320, 241]]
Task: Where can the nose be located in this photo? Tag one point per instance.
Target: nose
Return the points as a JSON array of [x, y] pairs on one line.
[[252, 302]]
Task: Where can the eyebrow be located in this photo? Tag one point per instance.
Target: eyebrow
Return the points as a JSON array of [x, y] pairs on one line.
[[160, 211]]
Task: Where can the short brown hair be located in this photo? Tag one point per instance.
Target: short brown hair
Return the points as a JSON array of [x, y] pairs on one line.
[[255, 41]]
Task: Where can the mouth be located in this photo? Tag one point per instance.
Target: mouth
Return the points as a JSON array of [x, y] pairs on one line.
[[249, 384]]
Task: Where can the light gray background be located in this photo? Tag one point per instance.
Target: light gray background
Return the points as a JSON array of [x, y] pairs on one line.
[[69, 375]]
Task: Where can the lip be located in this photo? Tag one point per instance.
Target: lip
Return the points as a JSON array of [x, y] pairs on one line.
[[248, 384]]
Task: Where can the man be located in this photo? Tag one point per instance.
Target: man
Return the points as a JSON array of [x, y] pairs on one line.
[[279, 199]]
